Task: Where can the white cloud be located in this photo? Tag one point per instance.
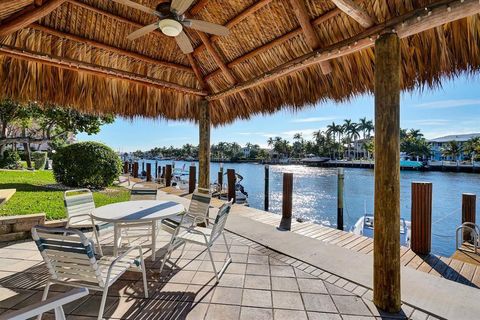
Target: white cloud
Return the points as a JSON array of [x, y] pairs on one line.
[[313, 119], [443, 104]]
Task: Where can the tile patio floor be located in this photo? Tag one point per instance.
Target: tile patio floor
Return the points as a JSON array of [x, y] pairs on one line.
[[260, 284]]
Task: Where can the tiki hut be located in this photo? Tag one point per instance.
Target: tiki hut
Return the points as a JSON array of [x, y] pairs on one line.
[[277, 54]]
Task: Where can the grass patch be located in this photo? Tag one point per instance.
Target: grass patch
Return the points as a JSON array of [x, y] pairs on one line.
[[33, 195]]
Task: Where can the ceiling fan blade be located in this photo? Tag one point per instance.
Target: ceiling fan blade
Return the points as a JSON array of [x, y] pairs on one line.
[[137, 6], [142, 31], [208, 27], [180, 6], [184, 43]]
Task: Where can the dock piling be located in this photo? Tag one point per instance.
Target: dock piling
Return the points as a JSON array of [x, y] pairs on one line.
[[421, 234], [135, 169], [286, 222], [468, 211], [267, 181], [168, 175], [125, 167], [220, 178], [340, 185], [192, 179], [231, 184], [149, 172]]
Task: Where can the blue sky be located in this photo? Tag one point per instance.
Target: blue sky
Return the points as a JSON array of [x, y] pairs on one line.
[[453, 108]]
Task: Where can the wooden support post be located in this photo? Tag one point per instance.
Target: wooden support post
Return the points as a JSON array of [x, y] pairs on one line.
[[168, 175], [386, 257], [143, 167], [267, 181], [192, 179], [204, 146], [159, 172], [149, 172], [220, 180], [231, 185], [421, 237], [156, 169], [340, 183], [125, 167], [469, 201], [286, 222], [135, 169]]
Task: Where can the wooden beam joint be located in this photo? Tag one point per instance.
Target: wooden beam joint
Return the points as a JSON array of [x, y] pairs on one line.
[[356, 12]]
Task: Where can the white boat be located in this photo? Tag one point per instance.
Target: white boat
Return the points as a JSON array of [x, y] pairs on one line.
[[364, 227]]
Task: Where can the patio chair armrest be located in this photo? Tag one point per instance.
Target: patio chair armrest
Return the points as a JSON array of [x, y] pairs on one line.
[[192, 230]]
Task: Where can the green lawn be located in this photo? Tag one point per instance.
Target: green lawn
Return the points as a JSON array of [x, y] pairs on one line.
[[33, 196]]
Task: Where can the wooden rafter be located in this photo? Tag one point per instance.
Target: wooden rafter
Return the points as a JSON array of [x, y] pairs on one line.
[[216, 57], [74, 65], [236, 20], [109, 48], [406, 25], [277, 41], [197, 72], [29, 17], [356, 12], [198, 7], [309, 31]]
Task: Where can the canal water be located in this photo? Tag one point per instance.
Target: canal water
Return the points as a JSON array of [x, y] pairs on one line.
[[315, 194]]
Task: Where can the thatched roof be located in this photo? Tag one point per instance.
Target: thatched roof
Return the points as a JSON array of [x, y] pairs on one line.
[[78, 54]]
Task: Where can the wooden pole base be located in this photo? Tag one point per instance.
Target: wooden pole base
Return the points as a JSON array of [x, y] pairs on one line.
[[286, 222]]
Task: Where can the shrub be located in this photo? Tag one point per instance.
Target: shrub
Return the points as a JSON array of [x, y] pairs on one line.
[[10, 160], [40, 160], [86, 164]]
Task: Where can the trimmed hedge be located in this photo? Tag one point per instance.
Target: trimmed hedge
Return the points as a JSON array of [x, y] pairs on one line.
[[86, 165], [10, 160], [39, 159]]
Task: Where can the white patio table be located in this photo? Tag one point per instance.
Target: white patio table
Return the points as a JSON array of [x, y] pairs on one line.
[[135, 212]]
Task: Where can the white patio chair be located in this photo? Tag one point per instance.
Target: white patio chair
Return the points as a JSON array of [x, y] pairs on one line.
[[197, 213], [202, 236], [71, 261], [55, 303], [136, 230], [79, 205]]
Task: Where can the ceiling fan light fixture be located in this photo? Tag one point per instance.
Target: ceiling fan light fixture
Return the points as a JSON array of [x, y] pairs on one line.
[[170, 27]]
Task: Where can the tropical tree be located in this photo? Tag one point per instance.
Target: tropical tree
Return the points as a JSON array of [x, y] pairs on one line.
[[414, 144], [350, 129], [472, 148], [452, 149], [335, 129]]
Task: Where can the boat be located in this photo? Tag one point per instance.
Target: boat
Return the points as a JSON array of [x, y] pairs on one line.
[[313, 160], [364, 227], [178, 178]]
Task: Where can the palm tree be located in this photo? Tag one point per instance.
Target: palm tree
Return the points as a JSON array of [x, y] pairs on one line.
[[362, 126], [348, 128], [270, 141], [472, 147], [335, 129], [452, 149]]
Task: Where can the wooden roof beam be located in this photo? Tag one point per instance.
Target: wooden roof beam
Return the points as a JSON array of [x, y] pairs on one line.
[[277, 41], [80, 66], [356, 12], [112, 49], [409, 24], [216, 57], [237, 19], [29, 17], [310, 34], [198, 7], [197, 72]]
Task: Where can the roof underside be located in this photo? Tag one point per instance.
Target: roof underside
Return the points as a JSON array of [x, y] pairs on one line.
[[78, 55]]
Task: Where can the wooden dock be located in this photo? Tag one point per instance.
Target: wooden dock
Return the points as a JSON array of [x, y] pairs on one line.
[[456, 268]]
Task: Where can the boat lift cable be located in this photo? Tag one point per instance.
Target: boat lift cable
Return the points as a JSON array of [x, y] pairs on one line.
[[441, 219]]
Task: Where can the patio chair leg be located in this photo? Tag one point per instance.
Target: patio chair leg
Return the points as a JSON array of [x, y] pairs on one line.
[[144, 276], [166, 257], [181, 254], [59, 314], [95, 231], [44, 296], [102, 304], [213, 263], [226, 245]]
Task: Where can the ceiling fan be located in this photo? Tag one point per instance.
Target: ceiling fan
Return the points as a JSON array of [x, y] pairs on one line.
[[172, 20]]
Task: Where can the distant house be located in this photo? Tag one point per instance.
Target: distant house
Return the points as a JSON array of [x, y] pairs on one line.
[[246, 152], [438, 143]]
